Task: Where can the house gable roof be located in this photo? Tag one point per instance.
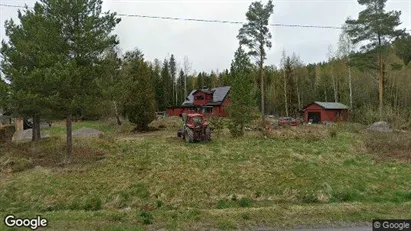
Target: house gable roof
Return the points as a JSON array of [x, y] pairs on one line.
[[219, 94], [330, 105]]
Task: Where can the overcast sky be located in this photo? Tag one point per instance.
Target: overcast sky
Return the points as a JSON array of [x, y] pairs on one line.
[[211, 46]]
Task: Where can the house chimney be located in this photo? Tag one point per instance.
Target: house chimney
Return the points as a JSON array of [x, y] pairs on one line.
[[204, 88]]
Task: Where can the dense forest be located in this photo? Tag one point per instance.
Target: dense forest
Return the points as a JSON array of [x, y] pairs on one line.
[[65, 64]]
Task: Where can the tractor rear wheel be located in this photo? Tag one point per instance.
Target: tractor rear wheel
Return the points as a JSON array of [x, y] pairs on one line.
[[208, 134], [189, 135]]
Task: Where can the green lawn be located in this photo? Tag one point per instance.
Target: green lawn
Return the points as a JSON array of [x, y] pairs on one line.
[[155, 180]]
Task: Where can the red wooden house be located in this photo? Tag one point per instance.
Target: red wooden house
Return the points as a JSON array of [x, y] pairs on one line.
[[209, 102], [319, 112]]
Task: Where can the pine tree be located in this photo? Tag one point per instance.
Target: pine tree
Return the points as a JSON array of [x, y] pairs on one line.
[[376, 27], [86, 32], [29, 56], [241, 94], [256, 36]]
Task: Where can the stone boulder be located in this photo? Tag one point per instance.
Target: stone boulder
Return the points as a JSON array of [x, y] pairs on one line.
[[87, 132], [26, 135], [380, 126]]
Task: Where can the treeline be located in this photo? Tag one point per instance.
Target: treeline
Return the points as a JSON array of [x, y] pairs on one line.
[[293, 85]]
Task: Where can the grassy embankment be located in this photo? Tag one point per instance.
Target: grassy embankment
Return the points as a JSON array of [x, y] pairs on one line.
[[295, 176]]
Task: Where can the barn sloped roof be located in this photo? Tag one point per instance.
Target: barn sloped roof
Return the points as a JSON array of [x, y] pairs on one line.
[[331, 105], [218, 96]]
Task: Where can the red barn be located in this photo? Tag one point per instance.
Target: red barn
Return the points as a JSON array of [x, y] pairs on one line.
[[325, 112], [209, 102]]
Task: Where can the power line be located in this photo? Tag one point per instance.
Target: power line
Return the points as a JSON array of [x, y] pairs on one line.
[[223, 21], [205, 20], [200, 20]]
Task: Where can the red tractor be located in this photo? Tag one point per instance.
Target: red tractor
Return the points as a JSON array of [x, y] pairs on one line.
[[195, 128]]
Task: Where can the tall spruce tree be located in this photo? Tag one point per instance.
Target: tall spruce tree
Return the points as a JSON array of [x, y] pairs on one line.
[[180, 87], [376, 28], [158, 85], [255, 35], [166, 85], [241, 95], [173, 72], [139, 96]]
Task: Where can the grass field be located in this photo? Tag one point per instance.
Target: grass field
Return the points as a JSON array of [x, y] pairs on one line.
[[291, 177]]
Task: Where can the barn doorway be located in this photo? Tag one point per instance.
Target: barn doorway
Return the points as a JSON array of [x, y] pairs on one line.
[[315, 117]]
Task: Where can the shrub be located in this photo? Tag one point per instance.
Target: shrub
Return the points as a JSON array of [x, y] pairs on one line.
[[332, 131], [222, 204], [217, 124], [92, 204], [245, 216], [244, 202], [146, 218], [236, 130], [159, 203], [258, 194], [140, 190]]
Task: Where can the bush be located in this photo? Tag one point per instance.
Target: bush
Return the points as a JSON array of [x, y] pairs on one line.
[[92, 204], [159, 203], [332, 131], [245, 216], [222, 204], [235, 129], [217, 124], [146, 218], [244, 202]]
